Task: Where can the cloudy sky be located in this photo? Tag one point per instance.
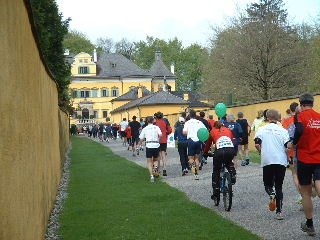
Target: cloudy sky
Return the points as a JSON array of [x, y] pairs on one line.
[[187, 20]]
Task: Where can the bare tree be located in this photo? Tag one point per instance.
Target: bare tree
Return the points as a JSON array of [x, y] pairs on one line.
[[105, 45]]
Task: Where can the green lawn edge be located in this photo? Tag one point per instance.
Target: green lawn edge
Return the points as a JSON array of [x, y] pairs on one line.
[[110, 197]]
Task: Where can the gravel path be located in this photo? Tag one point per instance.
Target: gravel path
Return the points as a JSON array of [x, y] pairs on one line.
[[250, 202]]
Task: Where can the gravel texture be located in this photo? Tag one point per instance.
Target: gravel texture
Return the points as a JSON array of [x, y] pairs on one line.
[[53, 225], [250, 202]]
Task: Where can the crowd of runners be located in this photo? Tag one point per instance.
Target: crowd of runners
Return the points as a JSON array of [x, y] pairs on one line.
[[291, 142]]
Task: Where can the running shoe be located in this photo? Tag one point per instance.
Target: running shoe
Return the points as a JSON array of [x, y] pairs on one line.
[[196, 177], [309, 230], [243, 163], [279, 216], [152, 179], [247, 161], [193, 169], [155, 172], [272, 203], [164, 172], [184, 172]]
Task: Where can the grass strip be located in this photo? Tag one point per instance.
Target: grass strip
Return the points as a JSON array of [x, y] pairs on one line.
[[111, 198]]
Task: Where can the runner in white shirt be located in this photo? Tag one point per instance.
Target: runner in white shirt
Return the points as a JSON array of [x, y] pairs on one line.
[[151, 135], [271, 141], [123, 126], [190, 129]]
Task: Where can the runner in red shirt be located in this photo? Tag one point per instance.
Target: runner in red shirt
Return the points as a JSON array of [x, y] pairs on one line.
[[222, 137], [129, 135], [308, 165], [165, 128]]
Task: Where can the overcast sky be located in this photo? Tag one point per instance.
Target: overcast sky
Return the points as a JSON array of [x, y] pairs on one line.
[[187, 20]]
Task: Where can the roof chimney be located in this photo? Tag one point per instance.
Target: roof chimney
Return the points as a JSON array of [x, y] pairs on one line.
[[139, 92], [172, 68], [95, 55], [158, 55]]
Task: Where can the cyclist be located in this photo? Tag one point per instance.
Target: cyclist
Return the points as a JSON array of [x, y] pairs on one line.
[[224, 153]]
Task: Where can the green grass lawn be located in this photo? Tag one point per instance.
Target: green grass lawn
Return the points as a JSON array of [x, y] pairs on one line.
[[112, 198], [255, 156]]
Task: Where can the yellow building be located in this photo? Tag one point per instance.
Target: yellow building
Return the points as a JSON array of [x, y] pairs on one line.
[[101, 84]]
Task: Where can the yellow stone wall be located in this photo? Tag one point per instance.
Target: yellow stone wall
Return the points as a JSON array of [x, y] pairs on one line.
[[83, 60], [31, 126]]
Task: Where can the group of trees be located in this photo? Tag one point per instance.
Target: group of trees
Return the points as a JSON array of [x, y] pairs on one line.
[[188, 61], [258, 55]]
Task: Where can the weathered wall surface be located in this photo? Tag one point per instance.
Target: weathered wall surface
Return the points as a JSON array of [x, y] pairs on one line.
[[31, 128]]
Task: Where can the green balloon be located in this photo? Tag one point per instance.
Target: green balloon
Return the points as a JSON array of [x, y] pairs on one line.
[[221, 109], [203, 134]]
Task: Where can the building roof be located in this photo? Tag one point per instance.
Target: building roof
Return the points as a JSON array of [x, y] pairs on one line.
[[70, 58], [132, 94], [159, 69], [160, 97], [194, 98], [116, 65]]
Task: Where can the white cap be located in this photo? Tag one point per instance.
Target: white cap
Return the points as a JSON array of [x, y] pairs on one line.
[[181, 119]]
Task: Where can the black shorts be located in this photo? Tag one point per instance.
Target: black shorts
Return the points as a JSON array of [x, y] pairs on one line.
[[307, 171], [135, 140], [163, 147], [244, 141], [194, 148], [122, 134], [152, 152]]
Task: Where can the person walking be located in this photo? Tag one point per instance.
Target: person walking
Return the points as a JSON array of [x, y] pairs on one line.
[[123, 126], [151, 135], [211, 121], [243, 149], [307, 138], [135, 127], [182, 146], [272, 141], [190, 129]]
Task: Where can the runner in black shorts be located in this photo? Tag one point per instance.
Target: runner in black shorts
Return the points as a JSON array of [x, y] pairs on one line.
[[308, 166], [135, 127], [246, 129]]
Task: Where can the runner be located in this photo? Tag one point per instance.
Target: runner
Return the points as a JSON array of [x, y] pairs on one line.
[[237, 135], [123, 126], [257, 121], [151, 134], [271, 141], [135, 127], [246, 129], [101, 131], [190, 129], [211, 121], [308, 165], [164, 125], [182, 146], [128, 135], [222, 137]]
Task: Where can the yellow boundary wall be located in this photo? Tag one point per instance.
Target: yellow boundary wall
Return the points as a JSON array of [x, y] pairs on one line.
[[34, 131], [250, 110]]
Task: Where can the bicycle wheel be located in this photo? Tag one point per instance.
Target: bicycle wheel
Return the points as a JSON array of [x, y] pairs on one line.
[[227, 193]]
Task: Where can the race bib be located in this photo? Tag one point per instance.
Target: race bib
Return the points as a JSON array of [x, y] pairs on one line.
[[224, 142]]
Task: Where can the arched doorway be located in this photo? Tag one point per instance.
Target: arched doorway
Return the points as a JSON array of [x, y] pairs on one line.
[[85, 113]]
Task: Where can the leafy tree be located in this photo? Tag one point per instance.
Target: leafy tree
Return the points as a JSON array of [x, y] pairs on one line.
[[261, 54], [51, 30], [78, 42], [105, 45], [125, 47]]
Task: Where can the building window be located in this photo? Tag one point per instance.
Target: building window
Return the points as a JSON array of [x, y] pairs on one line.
[[105, 92], [83, 70], [95, 114], [74, 93], [105, 114], [86, 61], [80, 61], [113, 65], [85, 94], [94, 93], [115, 92]]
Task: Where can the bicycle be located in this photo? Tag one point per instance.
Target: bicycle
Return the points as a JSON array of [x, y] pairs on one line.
[[225, 187]]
